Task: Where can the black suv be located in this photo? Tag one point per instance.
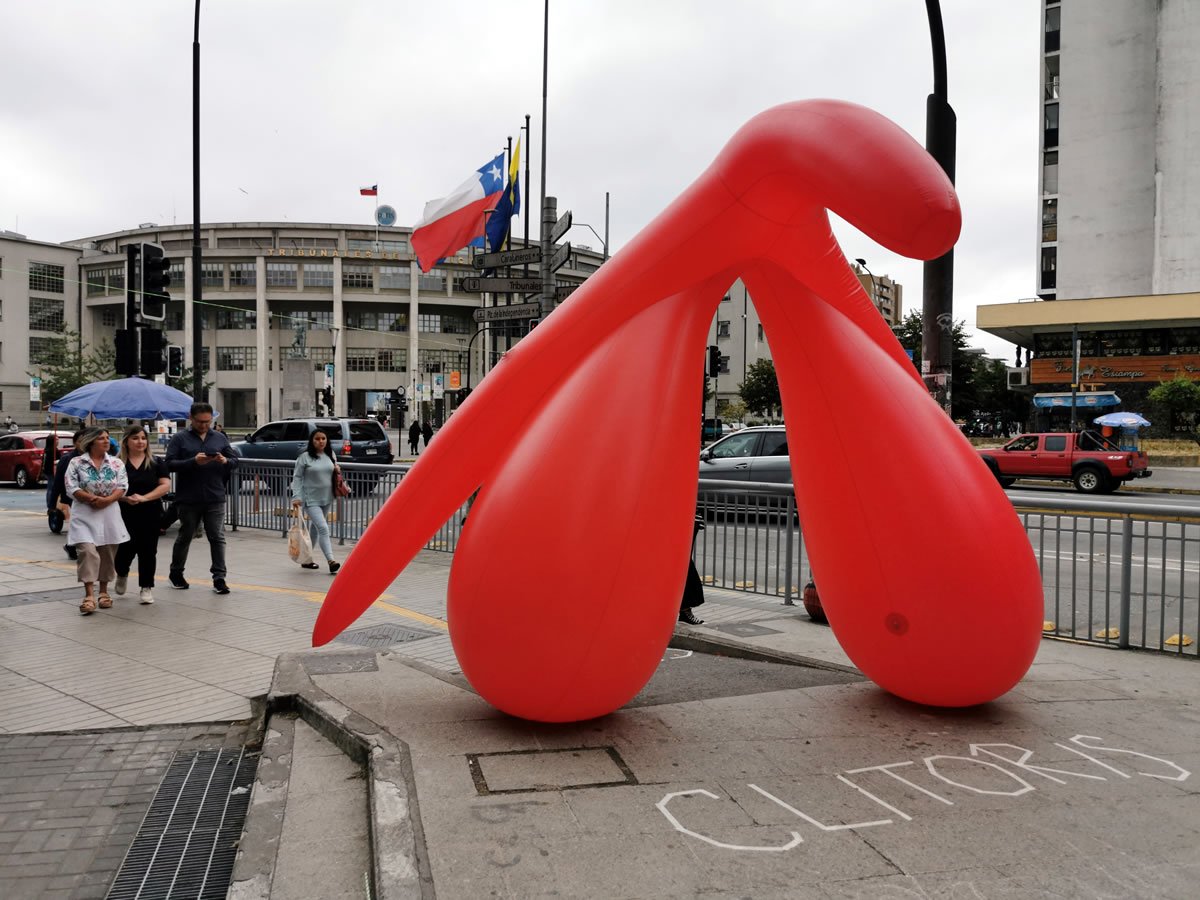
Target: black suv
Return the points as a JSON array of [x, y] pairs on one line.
[[353, 440]]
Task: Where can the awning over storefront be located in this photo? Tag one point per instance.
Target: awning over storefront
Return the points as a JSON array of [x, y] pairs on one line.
[[1086, 398]]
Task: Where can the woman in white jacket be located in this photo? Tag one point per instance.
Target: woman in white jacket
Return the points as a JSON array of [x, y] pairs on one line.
[[96, 481]]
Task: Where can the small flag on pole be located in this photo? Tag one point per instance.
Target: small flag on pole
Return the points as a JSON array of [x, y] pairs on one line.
[[372, 191]]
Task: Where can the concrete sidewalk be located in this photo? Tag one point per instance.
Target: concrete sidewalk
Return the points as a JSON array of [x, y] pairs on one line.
[[1079, 782]]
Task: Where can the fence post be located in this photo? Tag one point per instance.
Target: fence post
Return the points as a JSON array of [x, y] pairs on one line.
[[788, 553], [1126, 580]]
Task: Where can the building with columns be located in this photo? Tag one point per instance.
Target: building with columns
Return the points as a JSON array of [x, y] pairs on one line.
[[349, 296]]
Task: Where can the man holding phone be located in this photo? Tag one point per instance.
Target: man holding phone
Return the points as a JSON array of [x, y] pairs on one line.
[[201, 460]]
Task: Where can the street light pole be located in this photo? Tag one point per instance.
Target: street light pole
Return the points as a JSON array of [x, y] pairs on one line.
[[197, 336], [937, 330]]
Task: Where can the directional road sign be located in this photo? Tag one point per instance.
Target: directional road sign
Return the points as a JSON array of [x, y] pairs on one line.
[[502, 285], [561, 226], [563, 291], [507, 258], [512, 311], [561, 254]]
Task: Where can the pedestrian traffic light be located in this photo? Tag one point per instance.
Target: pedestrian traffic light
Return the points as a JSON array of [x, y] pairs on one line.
[[153, 342], [714, 360], [156, 278], [174, 361], [532, 325], [127, 353]]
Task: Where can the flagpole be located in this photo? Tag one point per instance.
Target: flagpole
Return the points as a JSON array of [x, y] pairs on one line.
[[525, 215]]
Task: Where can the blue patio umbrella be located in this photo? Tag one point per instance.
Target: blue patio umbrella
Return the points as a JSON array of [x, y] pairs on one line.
[[1121, 420], [124, 398]]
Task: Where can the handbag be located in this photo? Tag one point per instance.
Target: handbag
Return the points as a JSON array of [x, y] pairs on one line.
[[299, 543], [340, 488]]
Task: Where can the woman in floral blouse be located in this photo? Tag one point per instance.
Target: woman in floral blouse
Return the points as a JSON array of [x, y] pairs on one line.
[[96, 481]]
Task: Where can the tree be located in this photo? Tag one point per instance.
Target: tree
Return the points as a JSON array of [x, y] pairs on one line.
[[963, 397], [733, 410], [68, 364], [1177, 404], [760, 390]]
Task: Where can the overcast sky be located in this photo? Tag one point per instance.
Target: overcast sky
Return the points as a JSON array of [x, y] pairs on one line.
[[303, 102]]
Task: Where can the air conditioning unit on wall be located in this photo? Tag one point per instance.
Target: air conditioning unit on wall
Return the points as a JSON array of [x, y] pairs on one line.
[[1018, 377]]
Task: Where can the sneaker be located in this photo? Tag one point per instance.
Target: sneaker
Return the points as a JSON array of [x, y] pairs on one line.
[[120, 584], [334, 566], [147, 596], [690, 618], [177, 581], [219, 586]]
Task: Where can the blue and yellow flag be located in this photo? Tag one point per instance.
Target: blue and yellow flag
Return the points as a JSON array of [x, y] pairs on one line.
[[509, 205]]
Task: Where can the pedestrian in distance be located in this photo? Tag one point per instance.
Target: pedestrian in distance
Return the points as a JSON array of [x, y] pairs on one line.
[[201, 460], [414, 436], [142, 510], [427, 432], [10, 425], [693, 587], [312, 493], [96, 481], [58, 498]]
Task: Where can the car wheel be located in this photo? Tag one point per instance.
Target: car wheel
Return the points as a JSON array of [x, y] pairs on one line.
[[21, 477], [1090, 481], [1006, 480]]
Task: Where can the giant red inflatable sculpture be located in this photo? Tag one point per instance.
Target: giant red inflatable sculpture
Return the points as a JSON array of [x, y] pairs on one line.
[[565, 585]]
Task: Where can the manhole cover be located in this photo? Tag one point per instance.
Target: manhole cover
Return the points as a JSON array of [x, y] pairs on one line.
[[378, 637], [746, 629], [188, 840], [521, 771], [72, 594], [340, 663]]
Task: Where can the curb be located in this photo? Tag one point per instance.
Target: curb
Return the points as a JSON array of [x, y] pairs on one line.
[[687, 638], [399, 859]]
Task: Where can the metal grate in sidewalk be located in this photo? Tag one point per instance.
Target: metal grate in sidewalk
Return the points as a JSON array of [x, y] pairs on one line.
[[186, 846], [380, 637]]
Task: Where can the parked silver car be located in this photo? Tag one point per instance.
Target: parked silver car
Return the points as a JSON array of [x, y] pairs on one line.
[[752, 454]]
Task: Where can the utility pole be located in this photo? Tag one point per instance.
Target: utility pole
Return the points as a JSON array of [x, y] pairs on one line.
[[937, 332], [197, 255]]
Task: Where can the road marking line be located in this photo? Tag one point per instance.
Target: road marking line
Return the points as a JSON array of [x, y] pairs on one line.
[[310, 596]]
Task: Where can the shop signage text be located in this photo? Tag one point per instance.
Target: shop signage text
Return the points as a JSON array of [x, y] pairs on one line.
[[1102, 369], [321, 251]]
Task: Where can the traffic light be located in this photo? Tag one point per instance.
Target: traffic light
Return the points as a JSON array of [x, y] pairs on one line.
[[174, 361], [326, 396], [155, 278], [153, 342], [532, 325], [714, 360], [127, 352]]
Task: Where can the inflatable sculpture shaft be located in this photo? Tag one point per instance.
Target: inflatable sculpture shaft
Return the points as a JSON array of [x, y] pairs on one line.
[[565, 585]]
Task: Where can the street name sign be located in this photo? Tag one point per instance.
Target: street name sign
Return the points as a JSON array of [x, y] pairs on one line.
[[507, 258], [502, 285], [561, 226], [563, 291], [513, 311], [560, 257]]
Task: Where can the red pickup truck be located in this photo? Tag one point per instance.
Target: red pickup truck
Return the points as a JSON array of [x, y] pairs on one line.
[[1094, 463]]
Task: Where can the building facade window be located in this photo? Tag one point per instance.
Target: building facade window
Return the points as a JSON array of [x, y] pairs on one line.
[[394, 278], [391, 246], [429, 323], [263, 242], [393, 321], [393, 360], [358, 276], [760, 333], [46, 314], [1051, 83], [366, 319], [95, 282], [108, 317], [314, 319], [212, 274], [318, 275], [44, 351], [237, 359], [174, 319], [1050, 172], [1050, 126], [237, 319], [308, 243], [1049, 268], [360, 360], [243, 274], [282, 274], [1053, 26], [433, 280], [1049, 220], [46, 277], [723, 329]]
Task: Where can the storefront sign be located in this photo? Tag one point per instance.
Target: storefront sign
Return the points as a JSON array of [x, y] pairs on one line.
[[1107, 369]]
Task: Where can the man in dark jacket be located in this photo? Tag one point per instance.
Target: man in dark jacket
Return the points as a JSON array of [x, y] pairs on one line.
[[427, 432], [414, 436], [201, 460]]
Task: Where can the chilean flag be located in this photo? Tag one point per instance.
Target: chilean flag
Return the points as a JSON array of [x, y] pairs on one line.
[[372, 191], [449, 224]]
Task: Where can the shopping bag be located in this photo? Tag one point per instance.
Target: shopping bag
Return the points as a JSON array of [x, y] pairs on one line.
[[299, 543]]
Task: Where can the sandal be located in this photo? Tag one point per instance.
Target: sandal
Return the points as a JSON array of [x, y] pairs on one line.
[[88, 606], [105, 601]]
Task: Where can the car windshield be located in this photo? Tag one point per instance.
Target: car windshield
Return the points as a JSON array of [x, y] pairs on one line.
[[738, 445]]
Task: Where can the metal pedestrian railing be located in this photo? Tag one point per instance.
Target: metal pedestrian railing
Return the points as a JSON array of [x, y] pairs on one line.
[[1112, 574]]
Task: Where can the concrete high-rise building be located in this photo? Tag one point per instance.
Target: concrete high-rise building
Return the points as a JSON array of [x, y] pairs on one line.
[[1118, 185], [1119, 175]]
